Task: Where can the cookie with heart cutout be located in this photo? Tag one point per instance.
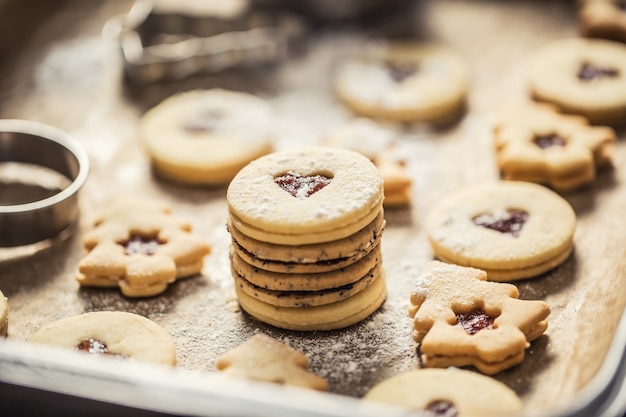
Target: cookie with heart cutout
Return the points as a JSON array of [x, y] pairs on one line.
[[199, 137], [113, 334], [582, 76], [305, 196], [510, 229], [447, 392]]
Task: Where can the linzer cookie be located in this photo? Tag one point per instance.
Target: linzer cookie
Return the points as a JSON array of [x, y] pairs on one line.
[[140, 247], [510, 229], [4, 315], [447, 392], [461, 319], [381, 146], [582, 76], [263, 358], [114, 334], [199, 137], [603, 19], [405, 81], [306, 227], [536, 143]]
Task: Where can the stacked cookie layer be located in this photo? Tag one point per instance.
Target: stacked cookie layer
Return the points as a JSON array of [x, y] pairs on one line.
[[306, 227]]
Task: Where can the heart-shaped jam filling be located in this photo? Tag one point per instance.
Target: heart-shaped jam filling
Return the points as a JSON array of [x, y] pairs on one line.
[[204, 122], [474, 321], [302, 186], [509, 221], [94, 347], [591, 72], [441, 408], [549, 140], [139, 245], [401, 70]]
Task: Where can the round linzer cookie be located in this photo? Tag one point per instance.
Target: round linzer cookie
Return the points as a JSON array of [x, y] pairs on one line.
[[305, 281], [308, 298], [305, 196], [582, 76], [350, 248], [112, 334], [447, 392], [200, 137], [510, 229], [4, 315], [406, 81], [323, 317]]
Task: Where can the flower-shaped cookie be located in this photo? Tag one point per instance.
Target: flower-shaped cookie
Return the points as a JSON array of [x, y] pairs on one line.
[[265, 359], [460, 319], [380, 145], [536, 143], [140, 247]]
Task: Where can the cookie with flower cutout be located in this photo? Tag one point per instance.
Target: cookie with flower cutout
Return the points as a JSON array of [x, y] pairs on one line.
[[140, 247], [382, 147], [461, 319], [263, 358], [534, 142]]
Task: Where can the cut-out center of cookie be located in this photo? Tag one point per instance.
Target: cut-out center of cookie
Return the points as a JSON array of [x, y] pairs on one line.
[[401, 70], [550, 140], [510, 221], [95, 347], [302, 186], [139, 245], [441, 408], [590, 72], [204, 122], [474, 321]]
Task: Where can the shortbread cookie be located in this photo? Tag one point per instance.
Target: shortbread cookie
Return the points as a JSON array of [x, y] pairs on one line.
[[380, 145], [405, 81], [308, 297], [582, 76], [113, 334], [512, 229], [351, 247], [461, 319], [603, 19], [535, 143], [141, 247], [325, 317], [305, 196], [4, 315], [448, 392], [205, 137], [263, 358], [312, 281]]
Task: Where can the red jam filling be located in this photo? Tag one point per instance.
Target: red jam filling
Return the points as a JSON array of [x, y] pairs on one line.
[[301, 186], [95, 347], [474, 321], [138, 245], [205, 122], [512, 221], [400, 71], [441, 408], [590, 72], [549, 140]]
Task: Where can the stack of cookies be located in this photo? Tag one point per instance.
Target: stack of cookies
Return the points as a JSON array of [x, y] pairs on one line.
[[306, 227]]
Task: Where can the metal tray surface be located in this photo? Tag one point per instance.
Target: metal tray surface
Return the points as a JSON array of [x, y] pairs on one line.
[[66, 73]]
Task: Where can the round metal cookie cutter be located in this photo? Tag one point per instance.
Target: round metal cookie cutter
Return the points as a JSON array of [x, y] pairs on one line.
[[27, 217]]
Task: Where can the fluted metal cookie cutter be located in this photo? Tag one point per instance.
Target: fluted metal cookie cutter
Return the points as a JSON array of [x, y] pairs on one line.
[[176, 42], [41, 172]]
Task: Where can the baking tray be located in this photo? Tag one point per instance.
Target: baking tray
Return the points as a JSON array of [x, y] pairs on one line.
[[65, 73]]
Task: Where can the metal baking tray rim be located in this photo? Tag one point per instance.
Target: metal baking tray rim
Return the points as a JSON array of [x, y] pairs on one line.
[[183, 392]]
